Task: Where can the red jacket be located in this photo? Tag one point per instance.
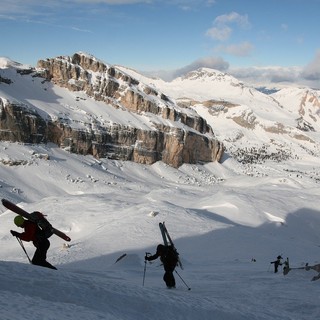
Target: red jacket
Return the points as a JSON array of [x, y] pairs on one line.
[[30, 230]]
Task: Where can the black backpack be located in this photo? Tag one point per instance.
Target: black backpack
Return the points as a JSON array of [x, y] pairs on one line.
[[44, 226], [170, 256]]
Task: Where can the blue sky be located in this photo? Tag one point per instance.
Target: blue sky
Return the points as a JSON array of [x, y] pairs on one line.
[[273, 41]]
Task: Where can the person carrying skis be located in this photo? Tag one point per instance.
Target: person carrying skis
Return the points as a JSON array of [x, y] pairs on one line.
[[277, 263], [169, 258], [33, 233]]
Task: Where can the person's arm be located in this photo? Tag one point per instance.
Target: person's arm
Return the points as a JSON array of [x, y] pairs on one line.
[[151, 258]]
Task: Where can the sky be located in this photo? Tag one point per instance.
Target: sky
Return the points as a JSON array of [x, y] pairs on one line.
[[273, 41]]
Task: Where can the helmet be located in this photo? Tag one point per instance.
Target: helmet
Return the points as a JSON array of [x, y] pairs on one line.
[[18, 221]]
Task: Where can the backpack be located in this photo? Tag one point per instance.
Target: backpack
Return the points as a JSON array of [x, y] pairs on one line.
[[170, 257], [43, 224]]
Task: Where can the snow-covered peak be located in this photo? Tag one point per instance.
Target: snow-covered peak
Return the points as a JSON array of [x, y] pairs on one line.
[[207, 74], [87, 55], [7, 63]]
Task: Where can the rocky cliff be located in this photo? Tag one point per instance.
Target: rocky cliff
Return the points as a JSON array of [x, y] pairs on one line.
[[173, 135]]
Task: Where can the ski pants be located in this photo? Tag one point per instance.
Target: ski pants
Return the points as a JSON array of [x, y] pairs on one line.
[[168, 277], [40, 255]]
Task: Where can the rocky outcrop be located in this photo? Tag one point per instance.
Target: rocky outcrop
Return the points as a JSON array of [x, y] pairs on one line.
[[109, 84], [184, 137], [170, 145], [18, 123]]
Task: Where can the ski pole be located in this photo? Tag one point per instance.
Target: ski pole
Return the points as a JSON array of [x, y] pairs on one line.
[[182, 280], [23, 248], [144, 272], [145, 268]]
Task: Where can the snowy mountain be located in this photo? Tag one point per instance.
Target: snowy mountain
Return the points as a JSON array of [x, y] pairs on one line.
[[253, 126], [228, 220], [93, 108]]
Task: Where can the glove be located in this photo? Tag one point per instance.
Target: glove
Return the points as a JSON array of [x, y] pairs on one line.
[[15, 233], [146, 258]]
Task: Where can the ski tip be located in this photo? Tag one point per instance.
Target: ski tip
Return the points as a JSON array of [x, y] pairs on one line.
[[5, 202], [121, 257]]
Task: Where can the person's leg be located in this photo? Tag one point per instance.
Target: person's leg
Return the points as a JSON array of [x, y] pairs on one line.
[[169, 278], [40, 254]]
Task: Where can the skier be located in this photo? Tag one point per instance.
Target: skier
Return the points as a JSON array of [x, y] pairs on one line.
[[169, 259], [277, 263], [33, 233]]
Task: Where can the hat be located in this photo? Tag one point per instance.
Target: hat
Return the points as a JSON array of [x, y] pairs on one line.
[[18, 221]]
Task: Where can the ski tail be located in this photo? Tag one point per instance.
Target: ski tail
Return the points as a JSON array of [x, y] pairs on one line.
[[168, 241], [163, 234]]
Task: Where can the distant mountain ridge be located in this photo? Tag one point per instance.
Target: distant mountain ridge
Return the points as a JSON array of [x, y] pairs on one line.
[[254, 126], [90, 107]]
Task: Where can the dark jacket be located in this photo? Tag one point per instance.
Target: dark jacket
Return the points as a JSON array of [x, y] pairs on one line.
[[167, 255]]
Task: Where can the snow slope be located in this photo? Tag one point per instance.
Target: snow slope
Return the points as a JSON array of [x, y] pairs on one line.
[[219, 219]]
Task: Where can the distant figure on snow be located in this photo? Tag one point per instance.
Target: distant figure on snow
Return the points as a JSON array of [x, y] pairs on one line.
[[169, 258], [33, 233], [316, 267], [277, 263]]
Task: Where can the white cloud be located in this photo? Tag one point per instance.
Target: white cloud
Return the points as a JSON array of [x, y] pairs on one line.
[[277, 76], [212, 62], [34, 7], [219, 33], [15, 7], [206, 62], [312, 70], [221, 29], [113, 2], [80, 30], [232, 17], [257, 76], [37, 7]]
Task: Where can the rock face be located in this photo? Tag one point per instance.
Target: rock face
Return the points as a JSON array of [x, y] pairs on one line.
[[182, 136], [19, 123]]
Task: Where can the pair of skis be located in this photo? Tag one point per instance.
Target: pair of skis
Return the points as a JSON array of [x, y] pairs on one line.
[[316, 268], [11, 206], [167, 241]]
